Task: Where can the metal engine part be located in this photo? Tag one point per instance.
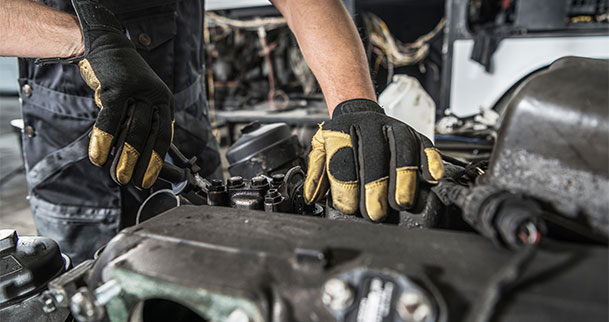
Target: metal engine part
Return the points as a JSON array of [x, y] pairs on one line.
[[553, 143], [279, 193], [264, 149], [225, 263], [27, 264]]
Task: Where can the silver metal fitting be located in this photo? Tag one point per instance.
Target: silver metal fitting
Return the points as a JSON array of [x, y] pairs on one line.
[[238, 315], [414, 306], [337, 294]]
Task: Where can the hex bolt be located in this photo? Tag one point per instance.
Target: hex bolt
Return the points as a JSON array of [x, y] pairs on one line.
[[84, 307], [414, 306], [235, 181], [8, 239], [48, 304], [337, 294], [238, 315], [278, 179], [272, 196], [217, 185], [259, 181]]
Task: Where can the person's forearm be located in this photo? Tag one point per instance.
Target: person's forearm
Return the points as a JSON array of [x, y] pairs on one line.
[[331, 46], [35, 30]]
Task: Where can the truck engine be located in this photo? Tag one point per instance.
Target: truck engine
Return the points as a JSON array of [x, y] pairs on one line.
[[495, 240]]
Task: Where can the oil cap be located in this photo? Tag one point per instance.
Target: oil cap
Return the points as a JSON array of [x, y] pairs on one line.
[[263, 149], [27, 264]]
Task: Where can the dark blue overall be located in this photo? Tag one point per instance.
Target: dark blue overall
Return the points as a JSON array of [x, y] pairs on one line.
[[72, 201]]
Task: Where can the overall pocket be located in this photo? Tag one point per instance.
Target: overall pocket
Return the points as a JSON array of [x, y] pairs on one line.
[[79, 231]]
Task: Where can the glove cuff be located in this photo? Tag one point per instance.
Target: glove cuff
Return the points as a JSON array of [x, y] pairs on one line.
[[357, 105], [91, 16]]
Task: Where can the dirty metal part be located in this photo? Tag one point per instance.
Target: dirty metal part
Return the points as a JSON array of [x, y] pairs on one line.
[[238, 315], [508, 219], [288, 260], [84, 308], [383, 295], [87, 306], [337, 294], [281, 193], [264, 149], [27, 264], [414, 306], [8, 239], [32, 309], [553, 143]]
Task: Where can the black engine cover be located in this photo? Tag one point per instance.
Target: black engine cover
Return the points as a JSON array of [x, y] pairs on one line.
[[553, 142]]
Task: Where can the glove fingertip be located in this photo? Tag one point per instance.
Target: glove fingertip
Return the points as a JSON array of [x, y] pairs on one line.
[[99, 146], [316, 182], [315, 187], [152, 171], [126, 164], [435, 166], [375, 200], [403, 195]]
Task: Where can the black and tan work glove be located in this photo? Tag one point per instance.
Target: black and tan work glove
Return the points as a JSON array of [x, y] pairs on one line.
[[136, 116], [369, 161]]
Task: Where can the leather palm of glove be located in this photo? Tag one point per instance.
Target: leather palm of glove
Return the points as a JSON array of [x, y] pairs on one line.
[[137, 109], [369, 161]]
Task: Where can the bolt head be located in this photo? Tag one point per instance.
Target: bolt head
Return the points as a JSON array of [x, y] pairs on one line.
[[278, 178], [259, 181], [8, 239], [235, 181], [238, 315], [216, 185], [48, 305], [337, 294], [414, 306], [272, 196], [84, 308]]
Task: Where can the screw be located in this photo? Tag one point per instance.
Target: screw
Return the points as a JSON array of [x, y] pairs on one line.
[[413, 306], [235, 182], [8, 239], [337, 294], [238, 315]]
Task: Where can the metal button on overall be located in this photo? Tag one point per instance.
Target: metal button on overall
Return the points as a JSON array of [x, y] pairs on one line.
[[26, 90], [144, 39]]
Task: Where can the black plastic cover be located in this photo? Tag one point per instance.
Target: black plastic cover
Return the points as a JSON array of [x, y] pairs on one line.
[[281, 262], [553, 142], [263, 149], [26, 265]]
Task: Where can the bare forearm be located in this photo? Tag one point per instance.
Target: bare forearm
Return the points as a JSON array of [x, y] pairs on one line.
[[331, 46], [35, 30]]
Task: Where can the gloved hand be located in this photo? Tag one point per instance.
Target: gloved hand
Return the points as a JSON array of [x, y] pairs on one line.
[[369, 160], [137, 109]]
